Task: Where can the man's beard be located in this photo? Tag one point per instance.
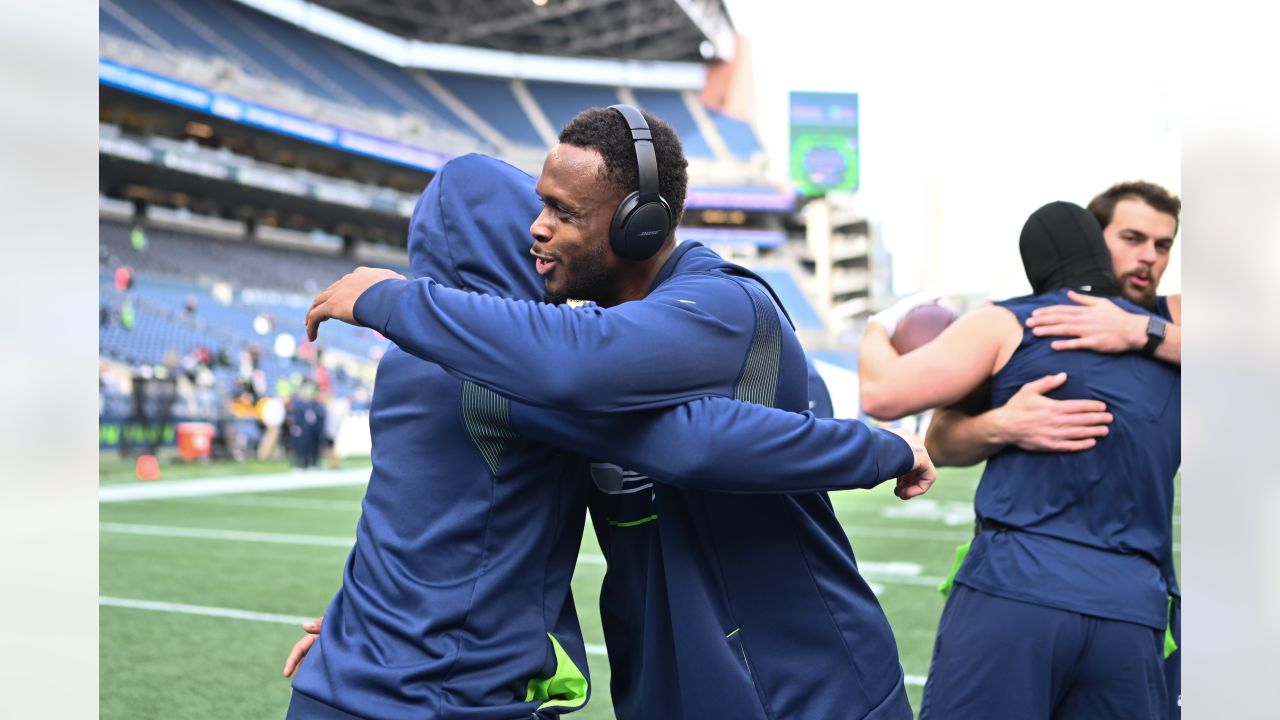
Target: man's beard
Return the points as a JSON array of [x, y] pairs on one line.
[[1142, 298], [591, 279]]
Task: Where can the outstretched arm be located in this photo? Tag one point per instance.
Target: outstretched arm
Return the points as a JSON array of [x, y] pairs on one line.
[[638, 355], [1102, 326], [726, 445], [939, 373]]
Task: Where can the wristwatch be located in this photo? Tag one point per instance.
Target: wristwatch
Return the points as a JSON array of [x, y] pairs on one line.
[[1155, 335]]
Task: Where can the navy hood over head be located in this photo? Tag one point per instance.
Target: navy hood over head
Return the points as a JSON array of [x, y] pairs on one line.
[[463, 233]]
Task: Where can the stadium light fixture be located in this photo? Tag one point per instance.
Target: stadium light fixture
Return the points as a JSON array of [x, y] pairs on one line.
[[540, 3]]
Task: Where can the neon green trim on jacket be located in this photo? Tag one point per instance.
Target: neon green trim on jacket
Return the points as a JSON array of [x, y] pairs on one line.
[[1170, 645], [566, 688], [633, 523], [944, 587]]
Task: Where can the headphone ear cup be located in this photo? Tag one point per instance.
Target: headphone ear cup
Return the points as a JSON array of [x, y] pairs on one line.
[[639, 229], [618, 228]]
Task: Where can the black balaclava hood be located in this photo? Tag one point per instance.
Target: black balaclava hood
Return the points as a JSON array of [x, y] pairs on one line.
[[1062, 247]]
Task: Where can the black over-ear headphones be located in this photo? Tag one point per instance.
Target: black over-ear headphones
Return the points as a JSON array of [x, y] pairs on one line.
[[643, 219]]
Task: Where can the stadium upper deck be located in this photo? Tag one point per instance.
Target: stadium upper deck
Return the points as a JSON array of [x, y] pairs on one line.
[[302, 133], [225, 46]]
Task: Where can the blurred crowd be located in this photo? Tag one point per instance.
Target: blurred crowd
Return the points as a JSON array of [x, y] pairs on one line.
[[297, 417]]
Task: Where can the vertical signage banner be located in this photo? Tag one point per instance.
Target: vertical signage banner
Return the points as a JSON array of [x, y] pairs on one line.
[[824, 142]]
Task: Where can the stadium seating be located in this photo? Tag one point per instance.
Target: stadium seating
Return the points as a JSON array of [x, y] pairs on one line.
[[174, 267], [267, 47], [199, 258], [162, 327], [561, 101], [109, 24], [167, 28], [737, 135], [295, 56], [668, 105], [493, 100]]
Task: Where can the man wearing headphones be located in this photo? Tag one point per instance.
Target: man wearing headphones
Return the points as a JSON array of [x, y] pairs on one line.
[[715, 604]]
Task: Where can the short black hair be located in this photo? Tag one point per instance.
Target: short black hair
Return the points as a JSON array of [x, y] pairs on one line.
[[606, 131], [1103, 207]]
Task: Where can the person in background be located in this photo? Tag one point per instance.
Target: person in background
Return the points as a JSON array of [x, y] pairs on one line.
[[271, 410], [306, 424]]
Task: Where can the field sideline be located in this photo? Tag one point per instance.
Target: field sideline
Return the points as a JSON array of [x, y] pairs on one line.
[[203, 581]]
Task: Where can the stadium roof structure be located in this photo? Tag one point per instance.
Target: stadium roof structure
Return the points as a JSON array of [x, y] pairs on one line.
[[663, 30]]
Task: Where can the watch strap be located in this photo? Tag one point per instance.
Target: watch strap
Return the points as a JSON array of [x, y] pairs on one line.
[[1156, 329]]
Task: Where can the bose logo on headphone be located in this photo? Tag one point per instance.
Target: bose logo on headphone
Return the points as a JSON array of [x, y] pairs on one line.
[[643, 218]]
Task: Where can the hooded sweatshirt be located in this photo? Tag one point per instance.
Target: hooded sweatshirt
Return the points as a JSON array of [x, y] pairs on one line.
[[716, 604], [455, 600], [1085, 531]]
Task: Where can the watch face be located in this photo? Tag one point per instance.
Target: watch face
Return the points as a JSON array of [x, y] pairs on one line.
[[1155, 328]]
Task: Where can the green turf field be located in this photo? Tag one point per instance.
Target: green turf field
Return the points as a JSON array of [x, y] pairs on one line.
[[199, 596]]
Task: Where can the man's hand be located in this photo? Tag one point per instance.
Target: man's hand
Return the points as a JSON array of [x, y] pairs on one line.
[[920, 477], [338, 301], [1095, 324], [303, 646], [1037, 423]]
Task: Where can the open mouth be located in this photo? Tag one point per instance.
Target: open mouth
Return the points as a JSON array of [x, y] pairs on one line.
[[543, 266], [1140, 282], [542, 263]]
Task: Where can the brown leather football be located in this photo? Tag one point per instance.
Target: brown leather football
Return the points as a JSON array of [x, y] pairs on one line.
[[920, 326]]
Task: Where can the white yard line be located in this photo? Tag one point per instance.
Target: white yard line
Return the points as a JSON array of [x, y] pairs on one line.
[[235, 535], [892, 573], [923, 581], [222, 486], [290, 503], [204, 610], [895, 568], [233, 613], [856, 531]]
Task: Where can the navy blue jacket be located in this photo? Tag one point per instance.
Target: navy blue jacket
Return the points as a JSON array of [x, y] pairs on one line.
[[1089, 531], [716, 604], [454, 591]]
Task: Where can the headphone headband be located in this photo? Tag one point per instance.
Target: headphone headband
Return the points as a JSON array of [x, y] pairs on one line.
[[643, 220], [646, 158]]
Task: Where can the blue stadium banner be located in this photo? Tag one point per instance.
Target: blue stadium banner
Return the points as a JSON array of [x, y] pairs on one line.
[[824, 142], [234, 109]]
